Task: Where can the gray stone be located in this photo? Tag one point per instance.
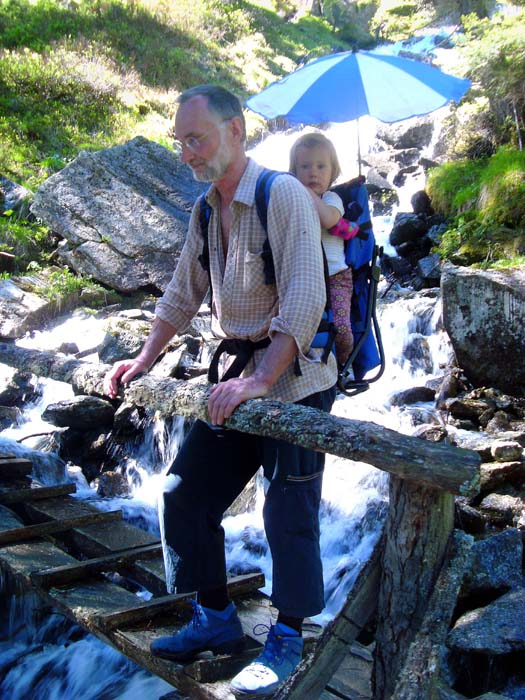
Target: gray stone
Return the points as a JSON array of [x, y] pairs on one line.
[[506, 450], [124, 338], [498, 628], [123, 213], [496, 564], [82, 412], [484, 315], [493, 474], [502, 508]]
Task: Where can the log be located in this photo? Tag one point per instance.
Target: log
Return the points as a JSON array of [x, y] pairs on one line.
[[418, 531], [435, 464], [420, 677], [29, 532], [35, 494]]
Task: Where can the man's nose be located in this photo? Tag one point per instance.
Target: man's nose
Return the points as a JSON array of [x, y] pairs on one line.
[[186, 154]]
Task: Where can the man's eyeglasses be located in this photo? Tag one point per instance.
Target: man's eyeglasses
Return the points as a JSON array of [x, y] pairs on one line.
[[195, 142]]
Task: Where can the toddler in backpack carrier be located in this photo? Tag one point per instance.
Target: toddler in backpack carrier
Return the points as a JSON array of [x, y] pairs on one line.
[[314, 162]]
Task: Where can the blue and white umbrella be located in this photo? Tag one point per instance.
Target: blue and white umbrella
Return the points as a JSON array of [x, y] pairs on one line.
[[345, 86]]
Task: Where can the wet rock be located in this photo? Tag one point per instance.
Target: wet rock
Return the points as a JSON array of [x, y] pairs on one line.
[[498, 628], [68, 348], [413, 395], [471, 409], [112, 485], [82, 412], [432, 433], [16, 387], [407, 227], [9, 416], [498, 423], [429, 269], [496, 564]]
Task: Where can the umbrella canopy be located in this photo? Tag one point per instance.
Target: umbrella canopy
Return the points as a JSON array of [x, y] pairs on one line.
[[345, 86]]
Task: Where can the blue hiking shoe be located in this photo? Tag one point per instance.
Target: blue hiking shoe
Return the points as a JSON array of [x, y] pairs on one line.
[[208, 630], [279, 658]]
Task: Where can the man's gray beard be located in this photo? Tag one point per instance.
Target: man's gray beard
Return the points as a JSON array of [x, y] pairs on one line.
[[216, 168]]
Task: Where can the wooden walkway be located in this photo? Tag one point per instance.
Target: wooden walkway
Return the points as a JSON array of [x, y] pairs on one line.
[[81, 561]]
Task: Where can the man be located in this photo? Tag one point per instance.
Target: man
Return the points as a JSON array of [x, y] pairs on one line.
[[276, 324]]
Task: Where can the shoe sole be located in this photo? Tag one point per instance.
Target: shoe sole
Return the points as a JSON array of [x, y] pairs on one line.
[[234, 647], [243, 695]]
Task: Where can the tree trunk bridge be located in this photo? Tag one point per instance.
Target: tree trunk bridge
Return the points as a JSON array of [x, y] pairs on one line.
[[64, 548]]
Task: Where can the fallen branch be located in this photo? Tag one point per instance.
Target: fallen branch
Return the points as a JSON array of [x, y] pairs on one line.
[[438, 465]]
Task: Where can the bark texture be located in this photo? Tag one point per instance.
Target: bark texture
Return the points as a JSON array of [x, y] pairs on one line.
[[438, 465], [418, 530]]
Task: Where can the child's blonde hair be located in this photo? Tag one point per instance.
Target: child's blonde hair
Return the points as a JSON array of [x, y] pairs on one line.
[[312, 141]]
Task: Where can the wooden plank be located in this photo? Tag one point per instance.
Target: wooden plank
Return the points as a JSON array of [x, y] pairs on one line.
[[26, 557], [32, 531], [238, 585], [35, 493], [316, 670], [60, 575], [15, 467], [9, 520], [135, 645], [86, 600], [352, 678], [215, 668]]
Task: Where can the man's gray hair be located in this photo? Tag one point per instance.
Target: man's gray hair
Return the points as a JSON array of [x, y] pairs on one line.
[[221, 102]]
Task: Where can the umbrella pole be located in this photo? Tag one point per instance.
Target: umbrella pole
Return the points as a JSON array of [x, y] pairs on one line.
[[358, 147]]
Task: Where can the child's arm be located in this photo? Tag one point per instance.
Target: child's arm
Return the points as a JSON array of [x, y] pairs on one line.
[[328, 215]]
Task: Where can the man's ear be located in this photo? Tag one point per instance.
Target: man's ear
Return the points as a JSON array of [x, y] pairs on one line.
[[237, 128]]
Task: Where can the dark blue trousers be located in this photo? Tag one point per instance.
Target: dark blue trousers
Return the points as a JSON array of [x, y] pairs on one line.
[[211, 468]]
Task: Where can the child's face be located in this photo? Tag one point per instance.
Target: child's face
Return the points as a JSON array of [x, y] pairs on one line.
[[314, 168]]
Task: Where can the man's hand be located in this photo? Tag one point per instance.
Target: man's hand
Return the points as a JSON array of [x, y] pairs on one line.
[[122, 372], [226, 396]]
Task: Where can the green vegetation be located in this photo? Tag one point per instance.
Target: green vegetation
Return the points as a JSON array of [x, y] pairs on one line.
[[27, 241], [486, 199], [98, 72]]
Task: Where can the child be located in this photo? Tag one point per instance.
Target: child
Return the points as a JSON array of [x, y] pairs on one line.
[[314, 162]]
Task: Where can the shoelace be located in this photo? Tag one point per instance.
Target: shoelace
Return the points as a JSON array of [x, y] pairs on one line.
[[196, 616], [273, 649]]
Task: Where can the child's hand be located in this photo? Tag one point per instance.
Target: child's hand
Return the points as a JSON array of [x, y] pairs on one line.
[[344, 229]]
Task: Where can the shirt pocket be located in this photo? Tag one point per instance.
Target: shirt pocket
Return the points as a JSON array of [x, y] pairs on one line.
[[253, 275]]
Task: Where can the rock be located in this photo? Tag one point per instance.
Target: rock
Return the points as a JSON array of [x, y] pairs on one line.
[[498, 423], [407, 227], [484, 316], [124, 338], [506, 450], [48, 468], [68, 348], [413, 395], [432, 433], [468, 518], [496, 564], [410, 133], [21, 310], [429, 269], [502, 508], [494, 474], [81, 412], [9, 416], [16, 388], [123, 212], [498, 628], [15, 197], [465, 407], [112, 485]]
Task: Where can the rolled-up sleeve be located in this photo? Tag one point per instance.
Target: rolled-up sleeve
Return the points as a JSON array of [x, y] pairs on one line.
[[295, 238], [189, 284]]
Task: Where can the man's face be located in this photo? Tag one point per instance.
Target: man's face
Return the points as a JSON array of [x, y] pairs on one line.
[[202, 137]]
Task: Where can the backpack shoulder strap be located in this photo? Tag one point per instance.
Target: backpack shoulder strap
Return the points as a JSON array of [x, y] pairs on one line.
[[204, 221], [262, 199]]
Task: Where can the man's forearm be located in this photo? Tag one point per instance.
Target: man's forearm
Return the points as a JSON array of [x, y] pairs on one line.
[[278, 357], [161, 333]]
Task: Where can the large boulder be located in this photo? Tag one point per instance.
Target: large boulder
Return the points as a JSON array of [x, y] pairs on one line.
[[123, 213], [484, 315]]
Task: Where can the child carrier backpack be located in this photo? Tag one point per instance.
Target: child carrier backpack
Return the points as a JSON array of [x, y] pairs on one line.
[[361, 253], [325, 336]]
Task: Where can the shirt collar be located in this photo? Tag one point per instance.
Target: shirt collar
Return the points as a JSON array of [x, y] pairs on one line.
[[245, 192]]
